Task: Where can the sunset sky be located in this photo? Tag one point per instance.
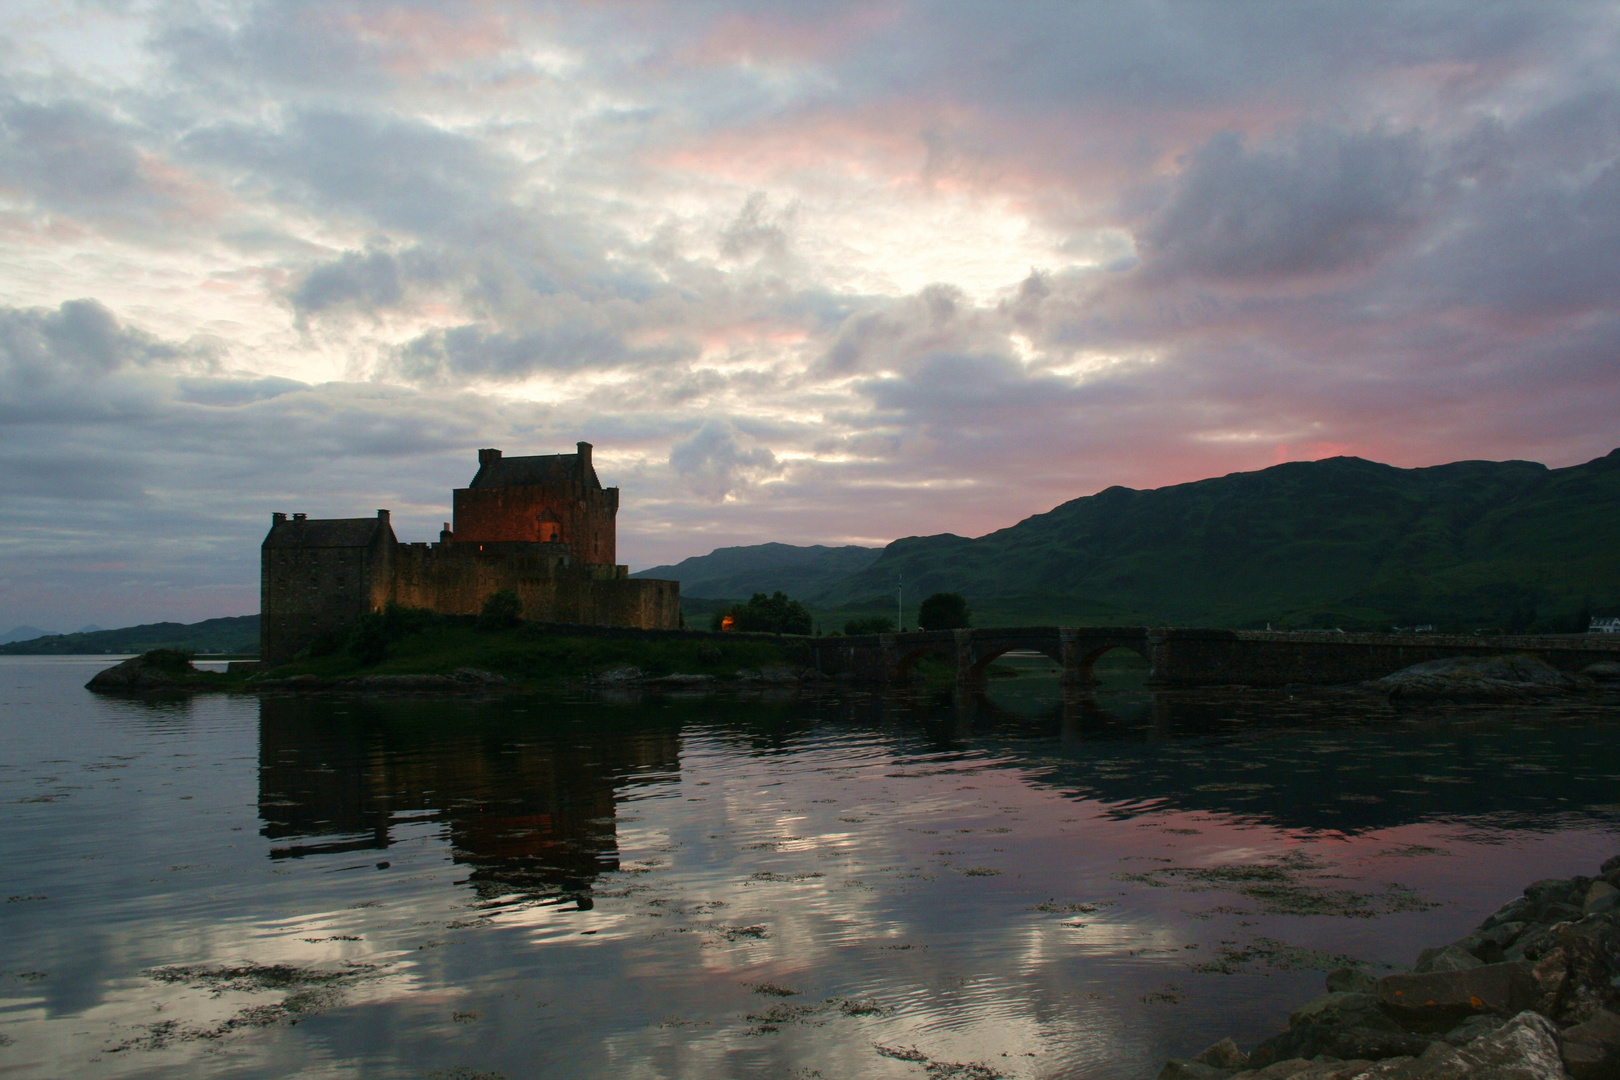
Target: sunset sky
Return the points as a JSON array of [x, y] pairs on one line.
[[814, 273]]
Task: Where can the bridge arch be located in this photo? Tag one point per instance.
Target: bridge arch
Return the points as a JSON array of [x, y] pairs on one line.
[[1082, 674], [982, 660], [904, 662]]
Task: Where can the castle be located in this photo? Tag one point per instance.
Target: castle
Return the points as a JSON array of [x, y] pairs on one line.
[[540, 526]]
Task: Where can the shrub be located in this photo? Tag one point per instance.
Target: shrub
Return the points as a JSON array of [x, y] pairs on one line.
[[774, 614], [943, 611], [368, 639], [502, 611], [171, 660], [868, 624]]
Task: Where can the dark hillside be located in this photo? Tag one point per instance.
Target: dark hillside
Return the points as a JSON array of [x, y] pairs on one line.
[[1339, 542], [739, 572], [238, 635]]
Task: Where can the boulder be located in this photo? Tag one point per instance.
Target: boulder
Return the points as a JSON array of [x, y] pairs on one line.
[[618, 676], [1440, 1000], [1603, 670], [1309, 1041], [1277, 1070], [1472, 1028], [1592, 1049], [1530, 945], [1600, 896], [1525, 1048], [142, 673], [1576, 977], [1355, 979], [1324, 1067], [679, 681], [1450, 958], [1180, 1069], [479, 675], [1223, 1055], [1478, 678], [1343, 1009]]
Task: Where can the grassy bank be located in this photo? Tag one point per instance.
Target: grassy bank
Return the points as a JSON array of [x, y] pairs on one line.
[[531, 654]]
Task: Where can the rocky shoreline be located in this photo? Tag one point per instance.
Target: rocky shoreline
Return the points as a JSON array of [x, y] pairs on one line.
[[143, 674], [1533, 993]]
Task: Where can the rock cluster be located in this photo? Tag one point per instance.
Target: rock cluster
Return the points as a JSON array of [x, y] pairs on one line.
[[1533, 993], [465, 678], [634, 676], [151, 671], [1480, 678]]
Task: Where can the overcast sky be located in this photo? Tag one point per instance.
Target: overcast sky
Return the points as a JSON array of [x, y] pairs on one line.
[[815, 273]]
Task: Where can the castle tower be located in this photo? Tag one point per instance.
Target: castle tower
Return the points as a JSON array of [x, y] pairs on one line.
[[547, 498]]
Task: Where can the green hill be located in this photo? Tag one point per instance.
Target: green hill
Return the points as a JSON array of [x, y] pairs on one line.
[[729, 573], [1342, 542], [230, 635]]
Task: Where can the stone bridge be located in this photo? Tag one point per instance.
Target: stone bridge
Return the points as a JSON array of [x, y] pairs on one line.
[[1186, 657]]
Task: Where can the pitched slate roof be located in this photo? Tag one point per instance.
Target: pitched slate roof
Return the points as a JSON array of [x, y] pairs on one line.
[[325, 533], [529, 471]]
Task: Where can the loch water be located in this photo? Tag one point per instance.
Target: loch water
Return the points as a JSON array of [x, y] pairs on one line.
[[764, 884]]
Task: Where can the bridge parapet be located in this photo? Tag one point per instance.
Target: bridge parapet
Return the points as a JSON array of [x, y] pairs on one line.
[[1192, 656]]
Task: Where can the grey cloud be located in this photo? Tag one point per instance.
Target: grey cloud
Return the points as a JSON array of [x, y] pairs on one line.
[[480, 352], [71, 157], [717, 460], [398, 173], [1329, 200], [755, 233], [367, 281], [937, 319], [80, 339], [226, 392]]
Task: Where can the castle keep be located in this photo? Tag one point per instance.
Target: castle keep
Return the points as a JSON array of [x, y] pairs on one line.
[[540, 526]]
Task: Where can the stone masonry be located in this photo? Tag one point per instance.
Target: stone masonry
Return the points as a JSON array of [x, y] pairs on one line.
[[543, 527]]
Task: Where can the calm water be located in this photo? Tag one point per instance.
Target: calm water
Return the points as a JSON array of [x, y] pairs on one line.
[[741, 886]]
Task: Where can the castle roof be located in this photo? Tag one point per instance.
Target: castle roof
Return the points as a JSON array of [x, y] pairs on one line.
[[535, 471], [325, 532]]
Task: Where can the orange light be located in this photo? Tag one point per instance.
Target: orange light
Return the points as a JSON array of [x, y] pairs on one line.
[[727, 623]]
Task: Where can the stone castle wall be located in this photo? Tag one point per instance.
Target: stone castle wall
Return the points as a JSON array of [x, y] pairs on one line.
[[584, 518], [306, 593]]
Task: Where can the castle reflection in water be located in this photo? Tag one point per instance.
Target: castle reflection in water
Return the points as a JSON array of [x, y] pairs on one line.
[[527, 816], [529, 793]]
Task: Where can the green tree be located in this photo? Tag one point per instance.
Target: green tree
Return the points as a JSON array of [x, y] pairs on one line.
[[502, 611], [943, 611], [868, 624], [774, 614], [367, 639]]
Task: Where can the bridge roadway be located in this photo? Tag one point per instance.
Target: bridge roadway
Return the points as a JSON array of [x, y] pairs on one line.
[[1187, 657]]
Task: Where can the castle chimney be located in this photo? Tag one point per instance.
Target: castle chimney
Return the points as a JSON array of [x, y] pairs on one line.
[[382, 516], [487, 456], [445, 535], [278, 519], [584, 449], [300, 517]]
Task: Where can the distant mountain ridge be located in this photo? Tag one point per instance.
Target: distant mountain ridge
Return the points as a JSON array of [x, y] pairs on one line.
[[739, 572], [236, 634], [1344, 541]]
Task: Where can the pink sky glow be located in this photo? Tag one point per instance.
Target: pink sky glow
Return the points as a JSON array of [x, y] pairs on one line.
[[827, 274]]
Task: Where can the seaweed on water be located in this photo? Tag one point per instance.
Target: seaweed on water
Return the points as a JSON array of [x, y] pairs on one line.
[[1282, 887], [940, 1070], [307, 990], [1274, 954]]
